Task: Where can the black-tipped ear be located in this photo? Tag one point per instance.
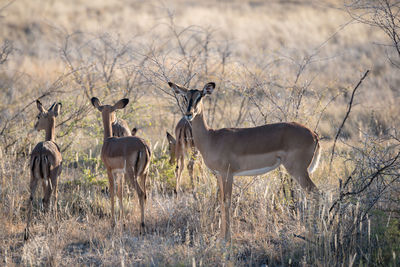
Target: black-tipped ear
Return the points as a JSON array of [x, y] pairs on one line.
[[208, 88], [52, 106], [39, 105], [57, 109], [170, 138], [134, 130], [121, 103], [178, 89], [96, 103]]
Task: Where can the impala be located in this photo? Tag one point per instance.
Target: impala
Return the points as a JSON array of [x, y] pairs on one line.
[[128, 155], [120, 128], [46, 160], [178, 149], [252, 151]]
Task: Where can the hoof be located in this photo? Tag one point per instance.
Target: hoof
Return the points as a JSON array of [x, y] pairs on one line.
[[26, 234], [142, 228]]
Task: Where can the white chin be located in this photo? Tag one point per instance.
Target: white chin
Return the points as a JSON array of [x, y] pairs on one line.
[[189, 117]]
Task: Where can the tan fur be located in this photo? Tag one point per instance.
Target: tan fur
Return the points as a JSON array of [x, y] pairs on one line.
[[120, 128], [248, 151], [181, 147], [128, 155], [46, 161]]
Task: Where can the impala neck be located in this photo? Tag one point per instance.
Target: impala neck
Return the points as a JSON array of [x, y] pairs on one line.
[[200, 130], [107, 126], [50, 130]]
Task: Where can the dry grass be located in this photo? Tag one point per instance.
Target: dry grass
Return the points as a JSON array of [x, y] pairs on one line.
[[279, 61]]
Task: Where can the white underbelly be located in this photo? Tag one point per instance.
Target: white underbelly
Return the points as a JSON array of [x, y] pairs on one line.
[[258, 171]]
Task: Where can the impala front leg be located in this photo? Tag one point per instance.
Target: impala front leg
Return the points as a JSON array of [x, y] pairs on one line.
[[225, 184], [180, 163], [190, 167]]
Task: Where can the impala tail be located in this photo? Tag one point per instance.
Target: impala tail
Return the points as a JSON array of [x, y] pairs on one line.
[[142, 165], [40, 166], [317, 155]]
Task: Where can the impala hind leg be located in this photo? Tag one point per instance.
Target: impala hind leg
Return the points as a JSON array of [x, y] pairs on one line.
[[32, 186], [47, 194], [299, 171], [111, 183], [142, 200], [120, 193], [49, 188], [54, 182], [140, 187]]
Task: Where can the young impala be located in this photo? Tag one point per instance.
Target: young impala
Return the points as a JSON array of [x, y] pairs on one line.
[[120, 128], [46, 160], [252, 151], [128, 155], [181, 146]]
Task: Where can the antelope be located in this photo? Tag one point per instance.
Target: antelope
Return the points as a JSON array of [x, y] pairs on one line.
[[230, 152], [120, 128], [46, 160], [178, 149], [128, 155]]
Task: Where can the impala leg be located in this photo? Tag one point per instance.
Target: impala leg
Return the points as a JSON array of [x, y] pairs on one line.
[[140, 187], [190, 167], [225, 184], [120, 192], [32, 186], [54, 183], [180, 163], [142, 200], [47, 189], [111, 182], [300, 173]]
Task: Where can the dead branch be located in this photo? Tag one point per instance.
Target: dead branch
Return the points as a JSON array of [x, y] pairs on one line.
[[346, 117]]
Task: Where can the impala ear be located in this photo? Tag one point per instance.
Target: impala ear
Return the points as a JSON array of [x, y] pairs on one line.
[[39, 105], [208, 88], [56, 109], [178, 89], [96, 103], [121, 103], [170, 138], [134, 130], [52, 106]]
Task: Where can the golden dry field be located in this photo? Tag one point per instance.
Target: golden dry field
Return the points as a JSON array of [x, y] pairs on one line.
[[272, 61]]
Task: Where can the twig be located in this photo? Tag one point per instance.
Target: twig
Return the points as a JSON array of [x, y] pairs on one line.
[[345, 118]]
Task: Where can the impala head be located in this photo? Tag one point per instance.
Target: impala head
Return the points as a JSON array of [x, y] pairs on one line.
[[108, 111], [46, 117], [192, 98], [171, 148]]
